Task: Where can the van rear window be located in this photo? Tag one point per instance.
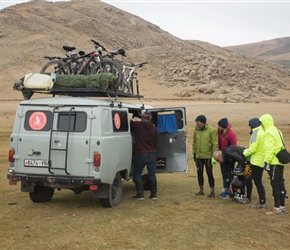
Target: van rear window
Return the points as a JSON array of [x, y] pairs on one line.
[[36, 120], [120, 121], [76, 121]]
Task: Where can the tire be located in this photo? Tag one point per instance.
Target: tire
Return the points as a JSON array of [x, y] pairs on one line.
[[114, 193], [41, 194], [110, 66], [56, 66], [88, 70]]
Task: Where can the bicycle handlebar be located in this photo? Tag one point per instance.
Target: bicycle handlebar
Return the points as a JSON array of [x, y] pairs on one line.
[[52, 57], [97, 44], [139, 65]]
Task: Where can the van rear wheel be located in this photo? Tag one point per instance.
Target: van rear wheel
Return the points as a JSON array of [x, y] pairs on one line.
[[114, 193], [41, 194]]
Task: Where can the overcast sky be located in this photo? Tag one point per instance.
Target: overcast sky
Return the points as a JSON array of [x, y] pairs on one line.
[[223, 23]]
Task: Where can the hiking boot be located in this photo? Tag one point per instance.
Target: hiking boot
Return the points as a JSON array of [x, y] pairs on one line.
[[224, 195], [258, 205], [138, 197], [139, 189], [283, 210], [153, 195], [274, 211], [211, 195], [199, 193]]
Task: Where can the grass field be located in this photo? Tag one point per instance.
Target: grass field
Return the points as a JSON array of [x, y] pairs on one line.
[[177, 220]]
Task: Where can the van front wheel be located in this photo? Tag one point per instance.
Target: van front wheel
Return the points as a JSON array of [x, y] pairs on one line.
[[41, 194], [114, 193]]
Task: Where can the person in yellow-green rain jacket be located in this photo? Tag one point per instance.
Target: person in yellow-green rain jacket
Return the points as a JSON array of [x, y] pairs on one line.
[[205, 142], [272, 145], [255, 152]]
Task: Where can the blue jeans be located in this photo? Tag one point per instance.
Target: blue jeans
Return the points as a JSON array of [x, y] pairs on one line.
[[139, 161], [226, 175]]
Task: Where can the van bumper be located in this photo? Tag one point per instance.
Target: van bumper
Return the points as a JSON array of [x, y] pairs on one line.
[[68, 180]]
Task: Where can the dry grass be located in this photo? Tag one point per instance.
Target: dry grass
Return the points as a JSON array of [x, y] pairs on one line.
[[177, 220]]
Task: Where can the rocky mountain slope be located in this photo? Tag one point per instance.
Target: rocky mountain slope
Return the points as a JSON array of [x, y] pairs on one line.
[[176, 68], [275, 50]]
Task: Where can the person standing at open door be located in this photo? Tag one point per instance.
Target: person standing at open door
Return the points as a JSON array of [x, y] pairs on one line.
[[144, 153]]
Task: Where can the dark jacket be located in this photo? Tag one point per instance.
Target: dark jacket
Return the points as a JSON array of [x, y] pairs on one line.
[[232, 154], [146, 137]]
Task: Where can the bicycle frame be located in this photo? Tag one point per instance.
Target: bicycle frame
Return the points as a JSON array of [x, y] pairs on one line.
[[129, 78]]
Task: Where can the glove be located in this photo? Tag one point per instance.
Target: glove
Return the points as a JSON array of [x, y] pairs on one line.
[[193, 157], [266, 166], [213, 161], [248, 158]]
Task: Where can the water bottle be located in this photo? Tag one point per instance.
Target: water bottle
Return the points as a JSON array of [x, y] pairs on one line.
[[53, 77]]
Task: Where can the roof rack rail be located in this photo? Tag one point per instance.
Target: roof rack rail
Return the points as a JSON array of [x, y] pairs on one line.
[[80, 92]]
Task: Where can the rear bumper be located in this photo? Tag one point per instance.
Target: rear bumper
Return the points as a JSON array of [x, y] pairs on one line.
[[68, 180]]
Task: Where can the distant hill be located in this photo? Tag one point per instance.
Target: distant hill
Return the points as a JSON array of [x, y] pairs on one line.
[[276, 50], [176, 68]]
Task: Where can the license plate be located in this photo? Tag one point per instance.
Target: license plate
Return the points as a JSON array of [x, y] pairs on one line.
[[36, 163]]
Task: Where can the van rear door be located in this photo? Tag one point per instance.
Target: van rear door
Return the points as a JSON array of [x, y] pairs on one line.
[[54, 140], [172, 150]]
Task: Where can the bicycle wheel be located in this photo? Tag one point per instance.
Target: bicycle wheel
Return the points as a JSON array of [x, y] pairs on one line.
[[56, 66], [110, 66], [89, 69]]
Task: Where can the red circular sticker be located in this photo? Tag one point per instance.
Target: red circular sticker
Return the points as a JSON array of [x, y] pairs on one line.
[[37, 120], [117, 121]]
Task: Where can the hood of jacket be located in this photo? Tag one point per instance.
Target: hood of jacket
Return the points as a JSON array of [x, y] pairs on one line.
[[267, 121]]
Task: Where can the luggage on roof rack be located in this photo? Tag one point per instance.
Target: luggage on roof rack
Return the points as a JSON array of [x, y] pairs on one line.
[[99, 85]]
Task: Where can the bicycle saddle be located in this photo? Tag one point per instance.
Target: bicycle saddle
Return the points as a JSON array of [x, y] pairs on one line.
[[121, 52], [81, 53], [67, 48]]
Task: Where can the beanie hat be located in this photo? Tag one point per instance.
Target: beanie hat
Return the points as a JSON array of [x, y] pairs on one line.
[[254, 123], [147, 115], [201, 118], [223, 123]]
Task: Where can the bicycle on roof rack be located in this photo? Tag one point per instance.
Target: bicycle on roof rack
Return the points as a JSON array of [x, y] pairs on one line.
[[91, 63], [129, 75]]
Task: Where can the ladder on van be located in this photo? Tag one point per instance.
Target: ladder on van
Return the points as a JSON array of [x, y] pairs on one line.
[[51, 148]]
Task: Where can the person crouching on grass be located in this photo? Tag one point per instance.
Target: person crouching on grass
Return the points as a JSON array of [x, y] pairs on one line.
[[229, 156]]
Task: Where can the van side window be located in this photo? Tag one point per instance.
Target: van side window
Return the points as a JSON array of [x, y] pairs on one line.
[[120, 121], [37, 120], [179, 119], [76, 123]]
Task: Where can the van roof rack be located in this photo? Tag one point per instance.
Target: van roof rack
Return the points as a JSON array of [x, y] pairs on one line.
[[99, 85], [92, 92], [83, 92]]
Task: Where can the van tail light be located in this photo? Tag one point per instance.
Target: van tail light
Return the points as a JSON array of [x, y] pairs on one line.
[[12, 182], [97, 159], [11, 154]]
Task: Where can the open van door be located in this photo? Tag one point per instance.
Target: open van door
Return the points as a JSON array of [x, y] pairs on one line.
[[172, 140]]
